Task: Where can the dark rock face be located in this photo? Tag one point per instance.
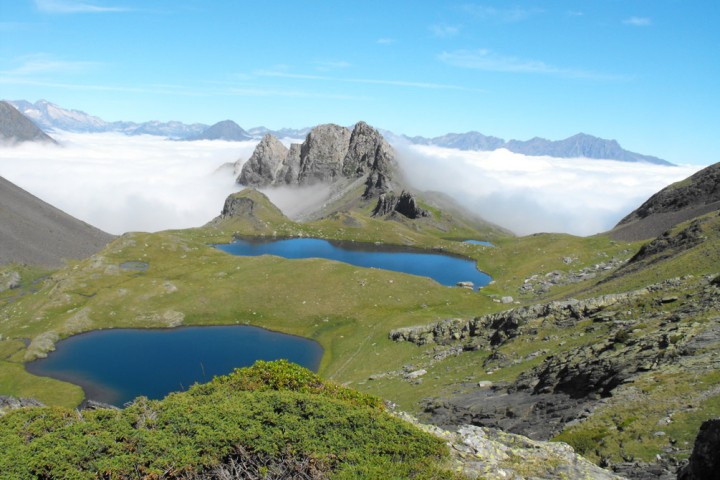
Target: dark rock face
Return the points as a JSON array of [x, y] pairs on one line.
[[405, 205], [704, 462], [16, 127], [329, 153], [238, 207]]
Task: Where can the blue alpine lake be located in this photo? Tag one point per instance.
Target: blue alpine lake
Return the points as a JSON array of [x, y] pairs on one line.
[[115, 366], [444, 269]]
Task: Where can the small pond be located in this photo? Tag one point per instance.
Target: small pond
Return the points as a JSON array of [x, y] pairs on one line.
[[115, 366], [479, 242], [444, 269]]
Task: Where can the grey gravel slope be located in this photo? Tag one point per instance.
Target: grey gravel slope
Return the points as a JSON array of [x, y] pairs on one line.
[[34, 232]]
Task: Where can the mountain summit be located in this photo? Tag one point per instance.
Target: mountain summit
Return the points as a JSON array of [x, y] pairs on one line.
[[329, 154], [16, 127], [225, 130]]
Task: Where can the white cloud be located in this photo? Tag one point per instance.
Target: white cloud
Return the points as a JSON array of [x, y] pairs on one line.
[[507, 15], [120, 183], [42, 63], [538, 194], [444, 31], [487, 60], [74, 6], [638, 21]]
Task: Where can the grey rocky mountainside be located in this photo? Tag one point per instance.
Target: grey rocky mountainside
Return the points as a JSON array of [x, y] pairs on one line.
[[225, 130], [697, 195], [35, 233], [16, 127], [330, 154]]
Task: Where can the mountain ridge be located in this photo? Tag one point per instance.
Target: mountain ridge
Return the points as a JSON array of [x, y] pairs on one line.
[[17, 128], [50, 117]]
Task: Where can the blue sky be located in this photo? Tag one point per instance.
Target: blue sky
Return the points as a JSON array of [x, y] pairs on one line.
[[644, 72]]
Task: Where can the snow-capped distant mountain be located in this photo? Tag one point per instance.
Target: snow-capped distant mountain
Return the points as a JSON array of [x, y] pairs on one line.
[[51, 117]]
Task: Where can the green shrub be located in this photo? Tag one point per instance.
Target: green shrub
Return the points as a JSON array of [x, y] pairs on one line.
[[272, 415]]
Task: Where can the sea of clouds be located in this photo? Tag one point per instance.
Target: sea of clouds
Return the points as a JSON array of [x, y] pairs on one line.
[[529, 194], [125, 183]]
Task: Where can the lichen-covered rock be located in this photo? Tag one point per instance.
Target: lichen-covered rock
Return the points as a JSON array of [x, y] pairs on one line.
[[491, 454], [8, 403]]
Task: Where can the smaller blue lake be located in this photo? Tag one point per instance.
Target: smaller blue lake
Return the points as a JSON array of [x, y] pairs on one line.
[[444, 269], [479, 242], [115, 366]]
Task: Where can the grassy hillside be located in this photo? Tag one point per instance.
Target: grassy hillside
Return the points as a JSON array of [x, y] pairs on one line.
[[177, 278]]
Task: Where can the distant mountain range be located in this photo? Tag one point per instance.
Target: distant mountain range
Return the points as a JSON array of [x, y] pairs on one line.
[[51, 117]]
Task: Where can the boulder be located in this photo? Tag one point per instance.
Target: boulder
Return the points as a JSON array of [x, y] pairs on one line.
[[704, 463], [405, 205]]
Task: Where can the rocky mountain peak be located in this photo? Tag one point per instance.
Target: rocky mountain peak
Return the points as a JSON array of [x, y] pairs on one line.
[[266, 161], [330, 153], [224, 130], [16, 127], [322, 153]]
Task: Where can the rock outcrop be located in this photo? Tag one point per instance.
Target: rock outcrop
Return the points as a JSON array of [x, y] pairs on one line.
[[265, 163], [704, 463], [8, 403], [564, 385], [405, 205], [479, 452], [330, 153]]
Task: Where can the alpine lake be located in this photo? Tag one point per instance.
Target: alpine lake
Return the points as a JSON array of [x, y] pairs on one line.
[[117, 365]]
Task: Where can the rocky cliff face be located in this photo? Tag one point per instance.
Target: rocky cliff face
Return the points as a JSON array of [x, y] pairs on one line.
[[329, 153], [405, 205], [265, 163]]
